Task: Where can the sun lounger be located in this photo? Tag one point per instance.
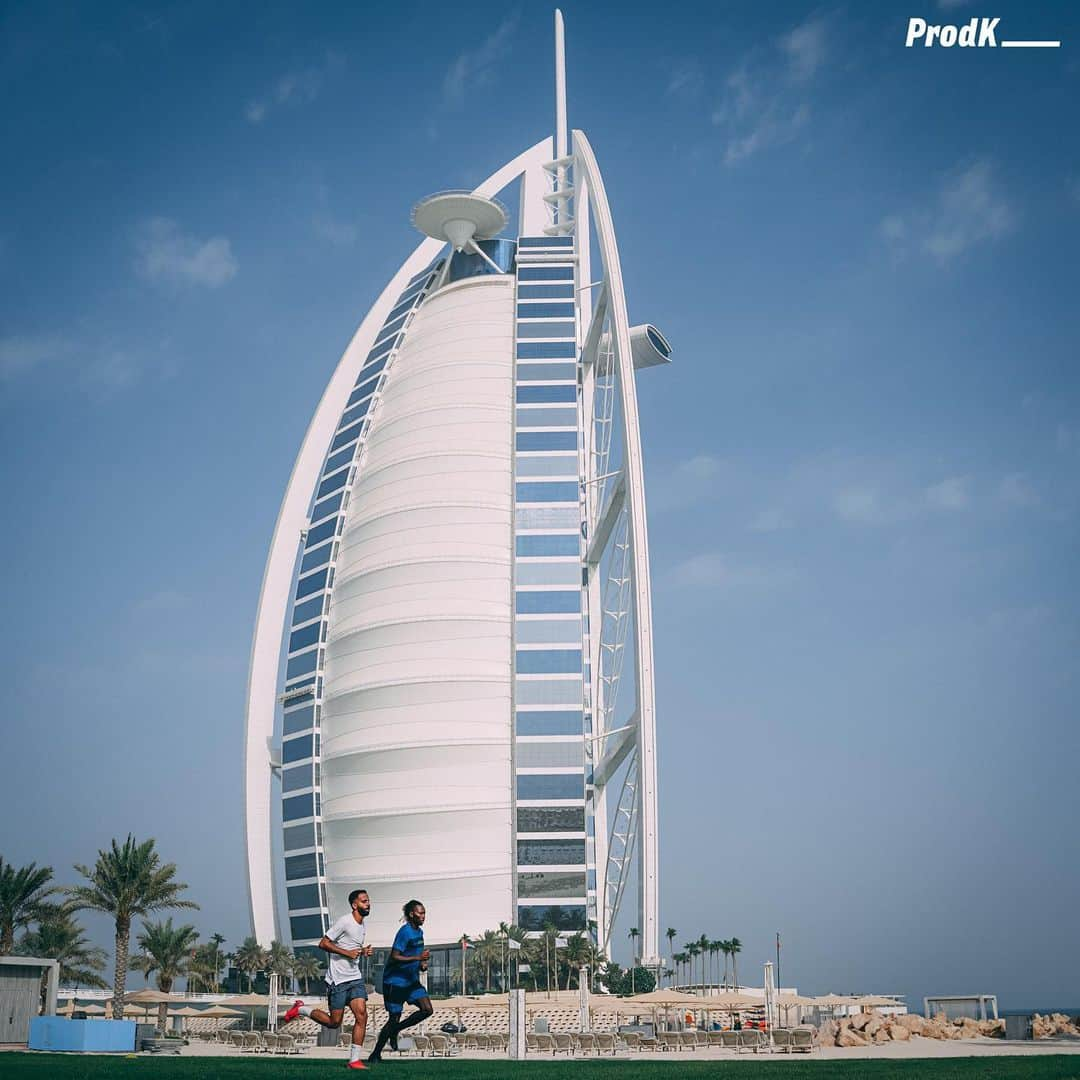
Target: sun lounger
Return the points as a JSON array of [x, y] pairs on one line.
[[751, 1040], [530, 1042], [586, 1042], [687, 1040], [606, 1043], [564, 1044], [729, 1040], [545, 1043], [668, 1040], [781, 1040], [802, 1040]]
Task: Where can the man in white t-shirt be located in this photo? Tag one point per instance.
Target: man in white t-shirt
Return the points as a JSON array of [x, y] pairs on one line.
[[345, 988]]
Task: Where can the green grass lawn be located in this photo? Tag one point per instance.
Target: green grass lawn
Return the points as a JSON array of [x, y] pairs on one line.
[[71, 1067]]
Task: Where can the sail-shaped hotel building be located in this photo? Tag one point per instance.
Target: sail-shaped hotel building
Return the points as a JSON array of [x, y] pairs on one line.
[[451, 683]]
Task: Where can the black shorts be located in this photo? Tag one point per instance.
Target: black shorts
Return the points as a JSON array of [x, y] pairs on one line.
[[396, 997]]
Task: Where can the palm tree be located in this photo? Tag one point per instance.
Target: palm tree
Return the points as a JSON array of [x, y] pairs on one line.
[[306, 967], [217, 940], [251, 958], [670, 934], [725, 948], [166, 951], [60, 937], [279, 961], [633, 936], [691, 948], [23, 893], [201, 969], [714, 952], [703, 947], [735, 945], [128, 880]]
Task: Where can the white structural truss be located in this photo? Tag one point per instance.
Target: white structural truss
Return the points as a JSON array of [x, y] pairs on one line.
[[561, 195], [623, 744]]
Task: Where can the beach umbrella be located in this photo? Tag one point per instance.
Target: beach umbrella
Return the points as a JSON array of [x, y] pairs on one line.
[[870, 1001], [252, 1001], [67, 1008], [220, 1012], [149, 996], [93, 1010]]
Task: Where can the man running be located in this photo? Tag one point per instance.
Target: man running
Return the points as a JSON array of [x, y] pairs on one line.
[[345, 988], [401, 979]]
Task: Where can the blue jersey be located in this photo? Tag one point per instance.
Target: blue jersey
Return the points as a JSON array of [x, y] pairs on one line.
[[409, 942]]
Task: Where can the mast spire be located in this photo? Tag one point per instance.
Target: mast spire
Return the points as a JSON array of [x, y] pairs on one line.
[[560, 87]]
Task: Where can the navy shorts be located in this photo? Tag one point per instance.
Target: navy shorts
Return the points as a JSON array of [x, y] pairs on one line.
[[339, 997], [396, 997]]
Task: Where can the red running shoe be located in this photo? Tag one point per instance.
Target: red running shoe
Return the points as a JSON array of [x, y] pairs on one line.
[[293, 1013], [357, 1064]]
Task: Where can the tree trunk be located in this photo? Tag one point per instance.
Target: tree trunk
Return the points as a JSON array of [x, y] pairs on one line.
[[123, 934]]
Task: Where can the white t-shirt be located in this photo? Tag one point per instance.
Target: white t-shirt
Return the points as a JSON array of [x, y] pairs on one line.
[[349, 934]]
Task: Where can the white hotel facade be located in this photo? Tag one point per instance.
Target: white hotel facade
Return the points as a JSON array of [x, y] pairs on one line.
[[451, 684]]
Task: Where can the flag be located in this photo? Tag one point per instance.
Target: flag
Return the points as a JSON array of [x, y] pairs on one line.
[[561, 943], [465, 943], [513, 945]]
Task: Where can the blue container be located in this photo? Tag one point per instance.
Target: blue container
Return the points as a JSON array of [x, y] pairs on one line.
[[57, 1033]]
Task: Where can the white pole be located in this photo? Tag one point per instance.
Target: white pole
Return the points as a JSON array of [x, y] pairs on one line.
[[560, 87], [562, 210]]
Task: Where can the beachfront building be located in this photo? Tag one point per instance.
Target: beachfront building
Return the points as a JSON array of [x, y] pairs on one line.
[[451, 683]]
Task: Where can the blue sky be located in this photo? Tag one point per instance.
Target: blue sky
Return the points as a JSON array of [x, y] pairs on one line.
[[862, 465]]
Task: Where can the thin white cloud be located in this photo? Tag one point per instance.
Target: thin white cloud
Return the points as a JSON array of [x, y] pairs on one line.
[[1015, 491], [764, 104], [771, 519], [714, 570], [952, 493], [338, 233], [968, 210], [164, 252], [806, 48], [20, 355], [474, 68], [300, 86], [686, 80]]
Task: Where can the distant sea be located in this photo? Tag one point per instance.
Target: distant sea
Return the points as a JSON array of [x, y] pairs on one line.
[[1073, 1011]]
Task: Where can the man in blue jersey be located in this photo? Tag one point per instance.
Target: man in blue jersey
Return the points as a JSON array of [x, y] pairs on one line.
[[401, 979]]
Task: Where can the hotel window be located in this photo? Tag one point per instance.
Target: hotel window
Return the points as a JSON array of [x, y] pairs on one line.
[[552, 786], [550, 755], [549, 573], [545, 311], [545, 273], [547, 395], [327, 506], [306, 926], [299, 836], [296, 749], [558, 372], [549, 884], [297, 806], [298, 720], [546, 440], [544, 722], [550, 852], [320, 533], [298, 867], [301, 639], [309, 609], [562, 601], [307, 896], [306, 586], [549, 819], [313, 559], [549, 661], [553, 491], [302, 776], [540, 350], [571, 917], [565, 544], [302, 665]]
